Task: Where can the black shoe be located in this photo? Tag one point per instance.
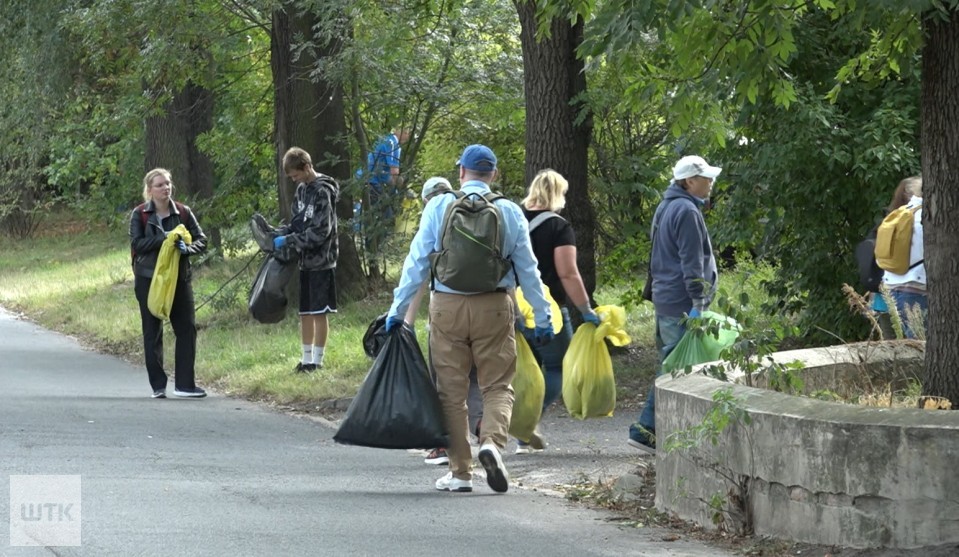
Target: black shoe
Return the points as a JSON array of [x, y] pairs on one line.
[[304, 368], [159, 393], [644, 440], [194, 392]]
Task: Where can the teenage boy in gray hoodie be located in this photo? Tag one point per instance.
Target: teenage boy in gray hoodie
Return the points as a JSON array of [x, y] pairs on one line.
[[683, 270]]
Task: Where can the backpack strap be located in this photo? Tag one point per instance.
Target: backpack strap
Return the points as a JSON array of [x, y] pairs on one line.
[[540, 219]]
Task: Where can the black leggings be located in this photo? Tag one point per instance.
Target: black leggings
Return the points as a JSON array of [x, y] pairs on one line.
[[183, 321]]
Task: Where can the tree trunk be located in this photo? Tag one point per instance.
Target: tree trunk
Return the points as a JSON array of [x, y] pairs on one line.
[[171, 144], [309, 113], [553, 78], [940, 166]]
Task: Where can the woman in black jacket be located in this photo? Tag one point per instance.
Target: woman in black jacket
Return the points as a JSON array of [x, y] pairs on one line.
[[150, 224]]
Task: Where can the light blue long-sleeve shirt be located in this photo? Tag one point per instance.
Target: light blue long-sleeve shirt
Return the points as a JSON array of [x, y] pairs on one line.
[[516, 246]]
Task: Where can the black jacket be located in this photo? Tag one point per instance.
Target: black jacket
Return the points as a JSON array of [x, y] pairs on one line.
[[146, 239], [313, 229]]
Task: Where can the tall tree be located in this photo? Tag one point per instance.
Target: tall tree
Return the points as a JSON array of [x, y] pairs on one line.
[[558, 125], [940, 166], [309, 114]]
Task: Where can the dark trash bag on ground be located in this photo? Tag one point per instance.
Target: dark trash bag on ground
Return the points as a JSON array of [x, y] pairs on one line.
[[397, 406], [268, 293], [375, 337]]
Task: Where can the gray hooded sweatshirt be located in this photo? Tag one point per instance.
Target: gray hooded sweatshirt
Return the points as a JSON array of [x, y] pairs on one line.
[[682, 255]]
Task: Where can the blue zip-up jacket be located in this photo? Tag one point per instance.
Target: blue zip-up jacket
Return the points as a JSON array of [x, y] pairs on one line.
[[682, 256]]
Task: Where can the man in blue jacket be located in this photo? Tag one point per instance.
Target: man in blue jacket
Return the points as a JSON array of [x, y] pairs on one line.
[[683, 270]]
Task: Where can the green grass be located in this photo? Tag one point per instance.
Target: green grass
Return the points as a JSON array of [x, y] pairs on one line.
[[81, 284]]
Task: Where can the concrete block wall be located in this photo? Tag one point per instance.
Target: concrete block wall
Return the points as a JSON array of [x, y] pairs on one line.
[[813, 471]]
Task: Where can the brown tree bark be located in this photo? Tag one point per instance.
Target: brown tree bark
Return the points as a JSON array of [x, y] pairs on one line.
[[557, 133], [171, 143], [940, 166], [309, 113]]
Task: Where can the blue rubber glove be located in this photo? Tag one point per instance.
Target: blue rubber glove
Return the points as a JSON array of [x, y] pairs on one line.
[[695, 313], [393, 323], [543, 335], [279, 242], [589, 316], [181, 245]]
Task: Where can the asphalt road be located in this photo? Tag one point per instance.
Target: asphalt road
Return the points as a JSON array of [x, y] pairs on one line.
[[226, 477]]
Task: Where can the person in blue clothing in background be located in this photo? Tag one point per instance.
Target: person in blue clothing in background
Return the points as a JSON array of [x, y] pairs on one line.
[[683, 270], [384, 181]]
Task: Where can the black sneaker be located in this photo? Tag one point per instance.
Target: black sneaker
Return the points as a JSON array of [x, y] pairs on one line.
[[159, 393], [304, 368], [643, 440], [194, 392]]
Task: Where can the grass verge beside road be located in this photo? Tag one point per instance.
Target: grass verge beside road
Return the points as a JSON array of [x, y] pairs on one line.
[[80, 283]]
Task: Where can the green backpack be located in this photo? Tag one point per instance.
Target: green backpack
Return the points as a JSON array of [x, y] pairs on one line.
[[471, 244]]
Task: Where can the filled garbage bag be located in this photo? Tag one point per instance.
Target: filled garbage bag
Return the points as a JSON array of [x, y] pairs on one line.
[[397, 406], [698, 346], [375, 336], [526, 310], [166, 273], [268, 301], [529, 390], [589, 387]]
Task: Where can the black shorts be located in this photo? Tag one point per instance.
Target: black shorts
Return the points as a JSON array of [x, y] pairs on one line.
[[317, 292]]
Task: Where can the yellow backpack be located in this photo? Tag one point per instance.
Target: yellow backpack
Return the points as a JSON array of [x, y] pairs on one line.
[[894, 240]]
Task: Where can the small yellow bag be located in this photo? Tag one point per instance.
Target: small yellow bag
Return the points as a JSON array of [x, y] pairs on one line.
[[589, 387], [530, 390], [166, 272]]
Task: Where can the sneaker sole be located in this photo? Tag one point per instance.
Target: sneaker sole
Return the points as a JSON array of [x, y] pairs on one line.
[[644, 448], [495, 472], [457, 490], [189, 395], [161, 395], [437, 461]]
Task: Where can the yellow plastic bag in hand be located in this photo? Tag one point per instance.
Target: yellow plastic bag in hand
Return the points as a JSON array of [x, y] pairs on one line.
[[166, 272], [530, 390], [589, 387], [526, 310]]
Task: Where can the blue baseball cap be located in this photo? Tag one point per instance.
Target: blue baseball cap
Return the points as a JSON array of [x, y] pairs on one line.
[[479, 158]]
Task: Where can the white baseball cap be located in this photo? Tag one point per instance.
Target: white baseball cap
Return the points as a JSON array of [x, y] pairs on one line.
[[692, 165], [435, 184]]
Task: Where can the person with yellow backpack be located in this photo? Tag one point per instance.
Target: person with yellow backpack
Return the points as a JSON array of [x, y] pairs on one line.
[[899, 252]]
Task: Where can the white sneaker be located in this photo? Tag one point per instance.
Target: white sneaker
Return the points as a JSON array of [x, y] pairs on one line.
[[496, 475], [449, 483]]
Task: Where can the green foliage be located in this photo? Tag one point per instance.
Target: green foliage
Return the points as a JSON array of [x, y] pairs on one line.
[[725, 411]]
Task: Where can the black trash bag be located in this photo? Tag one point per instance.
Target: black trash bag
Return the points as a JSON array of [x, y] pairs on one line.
[[375, 337], [263, 235], [397, 406], [268, 294]]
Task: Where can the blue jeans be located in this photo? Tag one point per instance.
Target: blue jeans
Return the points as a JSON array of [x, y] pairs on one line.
[[669, 331], [910, 299], [550, 357]]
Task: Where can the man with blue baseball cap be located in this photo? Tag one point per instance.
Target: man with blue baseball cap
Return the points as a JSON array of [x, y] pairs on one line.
[[474, 326]]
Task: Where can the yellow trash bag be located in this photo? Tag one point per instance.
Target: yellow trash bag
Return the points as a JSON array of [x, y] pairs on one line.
[[409, 216], [530, 390], [589, 388], [526, 310], [163, 285]]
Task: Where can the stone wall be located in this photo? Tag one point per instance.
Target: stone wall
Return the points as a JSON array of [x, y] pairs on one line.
[[813, 471]]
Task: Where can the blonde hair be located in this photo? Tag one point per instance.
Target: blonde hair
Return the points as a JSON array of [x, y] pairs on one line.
[[548, 189], [913, 186], [149, 178]]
